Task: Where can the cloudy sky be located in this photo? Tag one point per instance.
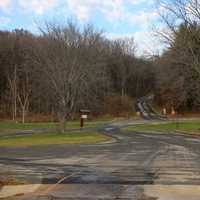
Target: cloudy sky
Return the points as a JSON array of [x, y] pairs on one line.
[[117, 18]]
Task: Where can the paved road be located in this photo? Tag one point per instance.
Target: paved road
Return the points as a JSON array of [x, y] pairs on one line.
[[146, 111], [136, 166]]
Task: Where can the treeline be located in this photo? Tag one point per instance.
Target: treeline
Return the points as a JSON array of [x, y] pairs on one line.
[[65, 69], [178, 68]]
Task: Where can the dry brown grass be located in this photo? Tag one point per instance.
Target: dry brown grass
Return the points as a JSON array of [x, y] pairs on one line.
[[8, 180]]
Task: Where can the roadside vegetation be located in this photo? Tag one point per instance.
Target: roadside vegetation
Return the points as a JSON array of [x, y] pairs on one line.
[[10, 125], [8, 180], [36, 139], [48, 133], [188, 127]]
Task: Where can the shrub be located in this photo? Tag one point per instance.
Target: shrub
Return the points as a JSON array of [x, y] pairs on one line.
[[119, 106]]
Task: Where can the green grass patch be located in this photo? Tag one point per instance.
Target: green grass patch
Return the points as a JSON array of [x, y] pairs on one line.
[[54, 138], [171, 126], [28, 126], [69, 125]]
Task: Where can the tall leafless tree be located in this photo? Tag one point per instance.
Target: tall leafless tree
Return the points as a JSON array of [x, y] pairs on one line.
[[66, 58]]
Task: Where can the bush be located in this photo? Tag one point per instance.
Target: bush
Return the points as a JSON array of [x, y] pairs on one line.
[[120, 106]]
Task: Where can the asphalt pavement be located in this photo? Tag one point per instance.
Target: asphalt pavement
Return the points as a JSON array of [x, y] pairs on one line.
[[138, 166]]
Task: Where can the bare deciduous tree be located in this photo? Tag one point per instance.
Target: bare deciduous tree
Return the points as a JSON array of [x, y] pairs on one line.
[[65, 59]]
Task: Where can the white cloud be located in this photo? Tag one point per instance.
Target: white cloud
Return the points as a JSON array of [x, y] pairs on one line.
[[115, 36], [5, 4], [148, 43], [136, 2], [112, 9], [4, 21], [38, 6], [143, 19], [82, 9]]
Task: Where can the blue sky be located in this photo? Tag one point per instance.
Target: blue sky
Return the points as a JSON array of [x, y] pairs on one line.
[[117, 18]]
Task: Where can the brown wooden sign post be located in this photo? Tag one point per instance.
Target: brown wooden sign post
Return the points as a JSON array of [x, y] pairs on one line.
[[83, 115]]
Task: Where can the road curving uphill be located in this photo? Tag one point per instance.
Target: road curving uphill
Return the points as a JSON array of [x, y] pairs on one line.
[[146, 110]]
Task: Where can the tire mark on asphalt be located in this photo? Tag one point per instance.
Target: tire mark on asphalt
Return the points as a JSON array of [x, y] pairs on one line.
[[53, 187]]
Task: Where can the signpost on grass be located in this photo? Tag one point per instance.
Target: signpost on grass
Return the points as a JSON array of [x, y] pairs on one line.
[[83, 115]]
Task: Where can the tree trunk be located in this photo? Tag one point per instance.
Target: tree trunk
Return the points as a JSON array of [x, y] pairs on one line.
[[23, 114], [15, 105], [123, 92], [15, 93], [62, 114], [13, 87], [63, 124]]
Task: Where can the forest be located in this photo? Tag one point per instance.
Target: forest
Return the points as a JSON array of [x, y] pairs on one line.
[[66, 68]]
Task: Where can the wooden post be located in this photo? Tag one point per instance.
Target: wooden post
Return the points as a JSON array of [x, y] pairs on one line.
[[82, 122]]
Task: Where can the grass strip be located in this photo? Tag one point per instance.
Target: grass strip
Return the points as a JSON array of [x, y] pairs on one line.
[[193, 126], [70, 124], [54, 139]]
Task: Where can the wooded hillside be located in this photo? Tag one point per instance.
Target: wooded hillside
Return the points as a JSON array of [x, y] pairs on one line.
[[65, 69]]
